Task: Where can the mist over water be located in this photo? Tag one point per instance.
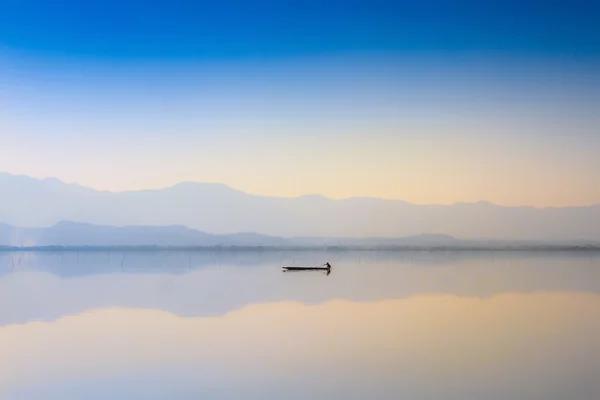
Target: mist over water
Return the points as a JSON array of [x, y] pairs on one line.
[[231, 324]]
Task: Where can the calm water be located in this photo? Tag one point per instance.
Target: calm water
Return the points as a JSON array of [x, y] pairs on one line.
[[382, 325]]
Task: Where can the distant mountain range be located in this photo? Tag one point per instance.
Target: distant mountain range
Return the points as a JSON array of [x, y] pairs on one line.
[[224, 212], [78, 235], [82, 234]]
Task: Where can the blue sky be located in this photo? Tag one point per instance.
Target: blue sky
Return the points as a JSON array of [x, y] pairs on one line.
[[431, 102], [195, 30]]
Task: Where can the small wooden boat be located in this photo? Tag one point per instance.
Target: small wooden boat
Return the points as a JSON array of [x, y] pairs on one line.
[[324, 267]]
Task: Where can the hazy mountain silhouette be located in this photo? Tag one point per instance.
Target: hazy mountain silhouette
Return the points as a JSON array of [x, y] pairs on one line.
[[77, 234], [219, 209], [67, 233]]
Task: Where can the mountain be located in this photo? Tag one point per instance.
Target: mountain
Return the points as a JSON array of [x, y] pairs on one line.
[[219, 209], [423, 240], [67, 233], [77, 234]]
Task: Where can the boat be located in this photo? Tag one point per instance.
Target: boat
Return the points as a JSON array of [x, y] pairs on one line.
[[324, 267]]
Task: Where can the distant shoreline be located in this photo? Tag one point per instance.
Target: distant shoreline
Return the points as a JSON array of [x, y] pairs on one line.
[[9, 249]]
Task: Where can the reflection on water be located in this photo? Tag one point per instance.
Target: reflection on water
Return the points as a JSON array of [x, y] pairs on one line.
[[382, 325]]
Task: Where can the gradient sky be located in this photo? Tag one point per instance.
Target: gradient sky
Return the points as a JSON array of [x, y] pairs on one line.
[[430, 102]]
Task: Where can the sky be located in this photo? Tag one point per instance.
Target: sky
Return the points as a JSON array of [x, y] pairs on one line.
[[428, 102]]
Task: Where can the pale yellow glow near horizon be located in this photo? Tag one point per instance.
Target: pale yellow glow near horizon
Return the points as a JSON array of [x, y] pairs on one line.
[[429, 335], [411, 163]]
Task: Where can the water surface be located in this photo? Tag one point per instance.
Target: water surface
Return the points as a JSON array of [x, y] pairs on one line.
[[219, 324]]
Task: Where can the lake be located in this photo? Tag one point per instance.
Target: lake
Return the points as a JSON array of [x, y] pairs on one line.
[[230, 324]]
